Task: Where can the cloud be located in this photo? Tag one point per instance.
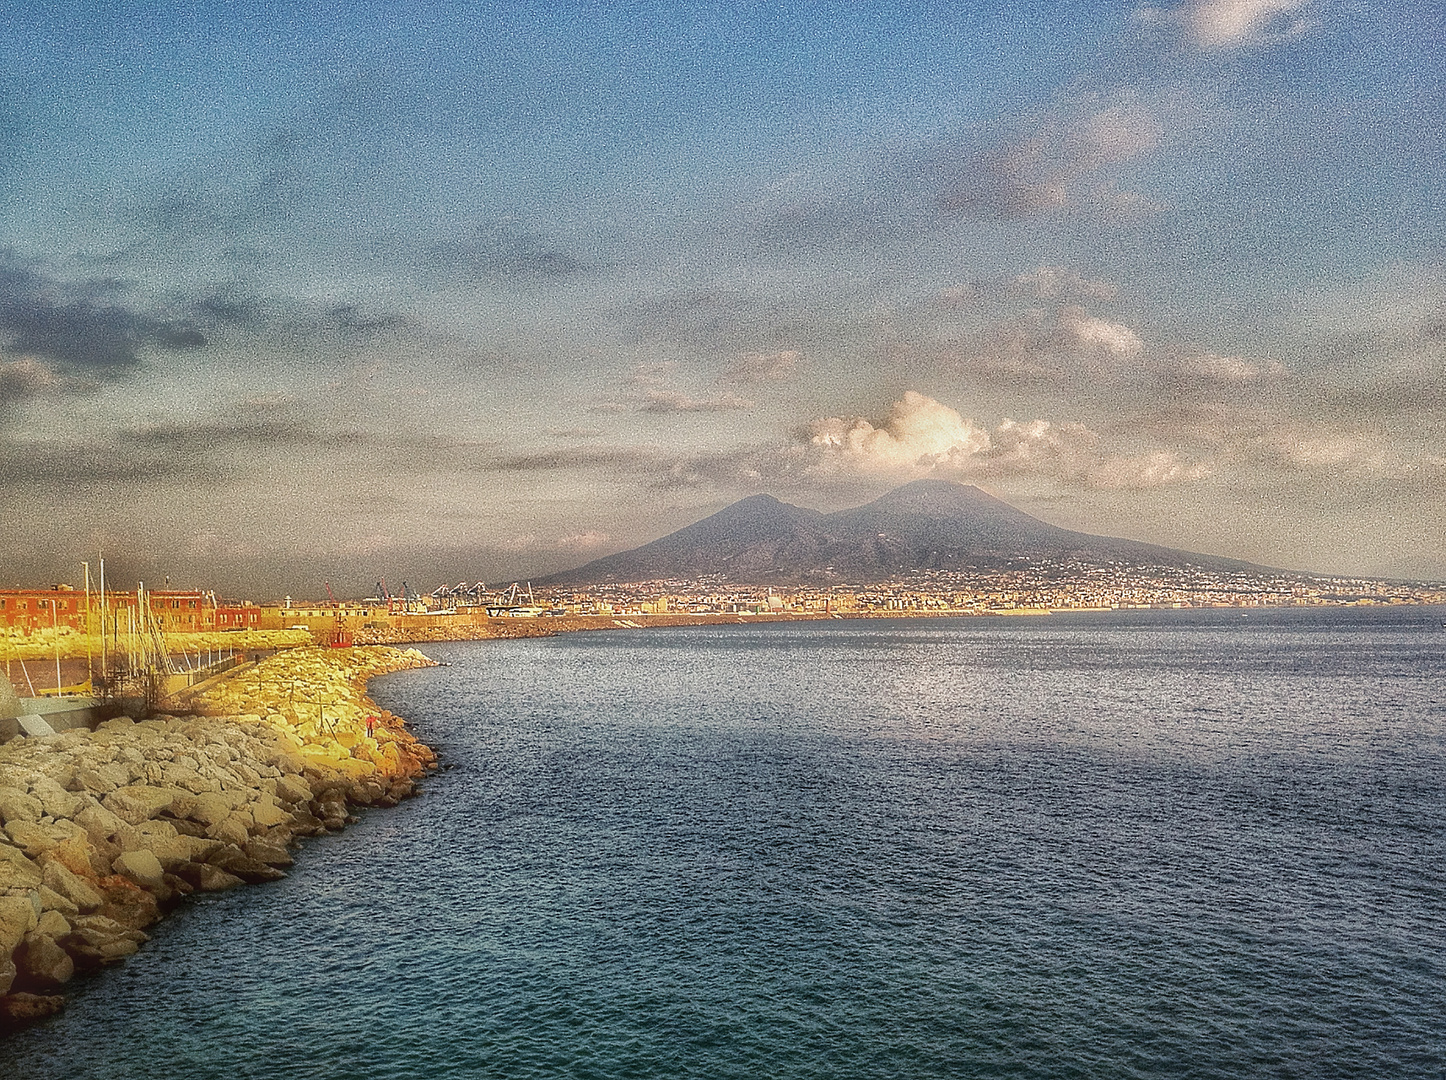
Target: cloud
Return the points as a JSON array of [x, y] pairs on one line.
[[221, 437], [579, 457], [649, 390], [1061, 346], [1205, 369], [801, 224], [918, 436], [923, 437], [499, 251], [1085, 331], [591, 540], [235, 306], [1058, 163], [80, 327], [1060, 283], [675, 401], [201, 452], [1225, 24], [1044, 283], [1135, 472], [757, 367], [98, 463], [572, 544], [712, 319], [24, 378]]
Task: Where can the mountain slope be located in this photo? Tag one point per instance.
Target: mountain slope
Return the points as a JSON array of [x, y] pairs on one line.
[[926, 525]]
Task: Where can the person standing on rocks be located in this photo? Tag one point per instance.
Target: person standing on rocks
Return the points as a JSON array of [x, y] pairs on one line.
[[371, 726]]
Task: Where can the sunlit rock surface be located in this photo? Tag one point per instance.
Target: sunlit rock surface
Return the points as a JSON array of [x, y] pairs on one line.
[[103, 831]]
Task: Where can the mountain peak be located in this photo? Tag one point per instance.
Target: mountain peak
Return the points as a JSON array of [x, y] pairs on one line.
[[926, 525]]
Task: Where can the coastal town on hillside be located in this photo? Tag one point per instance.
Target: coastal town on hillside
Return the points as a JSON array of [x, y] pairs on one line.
[[1021, 586]]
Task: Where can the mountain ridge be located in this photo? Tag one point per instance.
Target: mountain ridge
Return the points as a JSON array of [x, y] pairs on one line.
[[924, 525]]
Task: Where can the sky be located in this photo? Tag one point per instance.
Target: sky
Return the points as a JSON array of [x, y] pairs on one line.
[[443, 292]]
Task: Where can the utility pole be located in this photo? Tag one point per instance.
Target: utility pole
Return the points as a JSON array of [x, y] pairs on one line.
[[55, 630], [89, 671], [104, 666]]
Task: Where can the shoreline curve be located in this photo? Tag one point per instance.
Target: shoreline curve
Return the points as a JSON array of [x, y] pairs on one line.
[[105, 831]]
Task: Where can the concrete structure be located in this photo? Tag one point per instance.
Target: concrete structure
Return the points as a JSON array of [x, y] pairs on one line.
[[44, 716]]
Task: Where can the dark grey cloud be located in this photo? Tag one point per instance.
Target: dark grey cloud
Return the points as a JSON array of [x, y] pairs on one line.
[[234, 307], [663, 400], [720, 320], [81, 327], [580, 457], [222, 436], [100, 464], [203, 452], [498, 251]]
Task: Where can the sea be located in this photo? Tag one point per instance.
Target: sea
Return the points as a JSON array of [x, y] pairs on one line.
[[1133, 844]]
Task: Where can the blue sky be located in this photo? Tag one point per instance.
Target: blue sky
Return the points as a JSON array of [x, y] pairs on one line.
[[323, 291]]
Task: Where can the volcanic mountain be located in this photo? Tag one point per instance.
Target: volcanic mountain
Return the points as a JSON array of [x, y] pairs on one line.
[[926, 525]]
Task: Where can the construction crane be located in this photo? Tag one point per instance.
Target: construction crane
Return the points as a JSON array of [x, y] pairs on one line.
[[340, 637]]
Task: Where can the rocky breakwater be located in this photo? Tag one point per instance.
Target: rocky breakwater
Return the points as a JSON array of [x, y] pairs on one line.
[[106, 830]]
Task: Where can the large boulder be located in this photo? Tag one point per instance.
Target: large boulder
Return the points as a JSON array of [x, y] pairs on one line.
[[9, 706], [31, 838], [235, 861], [234, 830], [203, 877], [141, 867], [145, 835], [22, 1010], [74, 888], [16, 871], [268, 852], [103, 779], [139, 802], [98, 822], [127, 903], [268, 815], [74, 854], [201, 847], [17, 805], [17, 918], [54, 799], [290, 789], [52, 923], [169, 852], [41, 964], [96, 940], [50, 900], [211, 808]]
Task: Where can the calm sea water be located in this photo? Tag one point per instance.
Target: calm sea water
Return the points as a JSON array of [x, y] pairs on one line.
[[1169, 844]]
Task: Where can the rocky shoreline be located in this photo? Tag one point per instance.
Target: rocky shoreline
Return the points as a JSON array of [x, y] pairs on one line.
[[106, 830]]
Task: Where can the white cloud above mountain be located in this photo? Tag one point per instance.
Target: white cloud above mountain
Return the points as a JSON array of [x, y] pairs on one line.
[[924, 437]]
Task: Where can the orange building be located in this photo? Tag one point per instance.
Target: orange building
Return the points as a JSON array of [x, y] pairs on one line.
[[175, 610], [33, 609]]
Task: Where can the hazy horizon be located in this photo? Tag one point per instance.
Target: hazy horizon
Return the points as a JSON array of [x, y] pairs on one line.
[[486, 292]]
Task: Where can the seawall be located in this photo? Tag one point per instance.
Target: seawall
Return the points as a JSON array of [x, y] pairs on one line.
[[106, 830]]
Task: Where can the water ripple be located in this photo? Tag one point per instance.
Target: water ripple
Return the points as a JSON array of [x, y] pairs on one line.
[[1173, 845]]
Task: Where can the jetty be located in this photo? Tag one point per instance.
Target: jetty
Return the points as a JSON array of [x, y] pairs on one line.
[[105, 830]]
